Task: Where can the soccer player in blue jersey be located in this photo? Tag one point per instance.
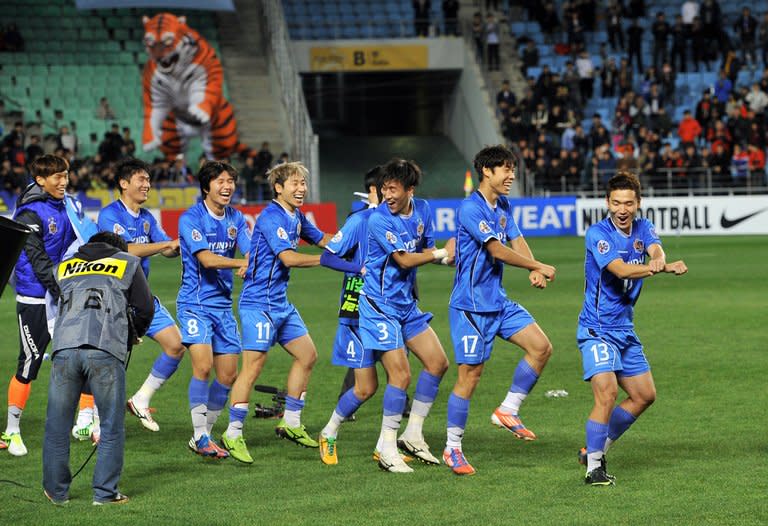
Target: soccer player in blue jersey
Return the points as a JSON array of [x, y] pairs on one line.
[[612, 355], [479, 309], [400, 240], [126, 218], [209, 232], [266, 315], [346, 253]]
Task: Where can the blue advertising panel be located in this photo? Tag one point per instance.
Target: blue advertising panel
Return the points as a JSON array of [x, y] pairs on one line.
[[535, 216]]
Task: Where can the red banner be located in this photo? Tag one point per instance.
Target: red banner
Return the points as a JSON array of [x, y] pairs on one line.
[[323, 215]]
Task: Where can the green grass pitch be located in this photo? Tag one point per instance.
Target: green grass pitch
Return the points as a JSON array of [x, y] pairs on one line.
[[698, 456]]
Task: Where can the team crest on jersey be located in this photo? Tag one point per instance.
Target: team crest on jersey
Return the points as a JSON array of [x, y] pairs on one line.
[[337, 237], [145, 226], [484, 228], [639, 246], [52, 226], [503, 221], [281, 233], [118, 229], [391, 237], [231, 231], [196, 235], [420, 228], [603, 246]]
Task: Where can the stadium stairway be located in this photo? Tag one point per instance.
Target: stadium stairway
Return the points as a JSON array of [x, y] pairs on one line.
[[259, 112], [346, 159]]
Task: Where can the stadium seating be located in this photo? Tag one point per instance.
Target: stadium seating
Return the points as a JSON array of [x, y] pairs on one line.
[[63, 73]]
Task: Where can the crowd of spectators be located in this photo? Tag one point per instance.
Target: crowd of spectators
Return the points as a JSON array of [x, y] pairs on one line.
[[720, 139], [18, 149]]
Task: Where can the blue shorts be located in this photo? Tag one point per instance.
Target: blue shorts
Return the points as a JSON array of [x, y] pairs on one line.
[[606, 351], [161, 320], [473, 333], [214, 327], [383, 328], [348, 350], [262, 328]]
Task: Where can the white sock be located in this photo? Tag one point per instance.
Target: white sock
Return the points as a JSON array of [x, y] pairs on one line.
[[199, 420], [388, 442], [593, 460], [455, 434], [143, 396], [608, 443], [414, 429], [235, 428], [211, 417], [378, 444], [331, 429], [292, 418], [14, 419], [511, 403]]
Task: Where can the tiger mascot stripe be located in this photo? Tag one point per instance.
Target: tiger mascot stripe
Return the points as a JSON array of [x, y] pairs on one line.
[[182, 91]]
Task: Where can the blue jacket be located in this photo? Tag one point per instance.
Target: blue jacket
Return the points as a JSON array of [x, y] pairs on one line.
[[52, 233]]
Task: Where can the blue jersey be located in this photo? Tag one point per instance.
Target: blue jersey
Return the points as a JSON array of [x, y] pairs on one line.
[[351, 243], [276, 230], [477, 284], [385, 282], [141, 227], [608, 300], [200, 230]]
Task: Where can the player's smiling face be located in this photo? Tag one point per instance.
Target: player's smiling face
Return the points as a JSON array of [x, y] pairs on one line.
[[396, 196], [292, 192], [55, 184], [622, 206], [500, 178], [221, 190], [137, 189]]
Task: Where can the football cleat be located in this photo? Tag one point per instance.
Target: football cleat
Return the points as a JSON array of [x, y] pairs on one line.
[[297, 435], [583, 456], [454, 459], [3, 444], [82, 433], [513, 424], [237, 448], [418, 449], [143, 414], [394, 463], [406, 458], [16, 445], [205, 447], [598, 477], [117, 499], [328, 454]]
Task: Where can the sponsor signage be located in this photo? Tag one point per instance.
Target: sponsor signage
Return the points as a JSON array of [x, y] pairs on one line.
[[323, 215], [721, 215], [368, 58], [554, 216]]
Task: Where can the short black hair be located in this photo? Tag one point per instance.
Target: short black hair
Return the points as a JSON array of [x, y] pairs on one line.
[[407, 173], [372, 177], [492, 156], [624, 180], [47, 165], [110, 238], [125, 168], [210, 171]]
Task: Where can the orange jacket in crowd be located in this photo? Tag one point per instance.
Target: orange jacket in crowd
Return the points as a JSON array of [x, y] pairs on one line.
[[689, 129]]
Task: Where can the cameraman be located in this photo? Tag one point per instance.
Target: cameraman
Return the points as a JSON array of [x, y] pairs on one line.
[[105, 305]]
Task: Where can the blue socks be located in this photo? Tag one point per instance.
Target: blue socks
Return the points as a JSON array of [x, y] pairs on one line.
[[458, 412], [524, 379], [198, 392], [164, 366], [597, 433], [619, 423], [348, 403], [394, 406]]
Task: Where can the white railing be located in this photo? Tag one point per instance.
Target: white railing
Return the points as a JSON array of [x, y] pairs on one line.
[[305, 141]]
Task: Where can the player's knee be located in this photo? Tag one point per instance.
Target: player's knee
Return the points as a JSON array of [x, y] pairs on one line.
[[438, 367], [541, 352], [400, 379], [226, 377], [648, 398], [364, 392], [175, 351], [606, 397], [308, 359]]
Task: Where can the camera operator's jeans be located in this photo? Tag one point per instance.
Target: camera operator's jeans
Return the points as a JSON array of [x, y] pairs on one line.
[[106, 375]]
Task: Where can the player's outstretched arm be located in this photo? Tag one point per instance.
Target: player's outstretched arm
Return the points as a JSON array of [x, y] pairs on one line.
[[165, 248], [514, 258], [210, 260], [291, 258], [408, 260]]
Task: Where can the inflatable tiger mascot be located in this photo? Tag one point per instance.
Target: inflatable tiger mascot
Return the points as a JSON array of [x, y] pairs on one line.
[[182, 91]]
